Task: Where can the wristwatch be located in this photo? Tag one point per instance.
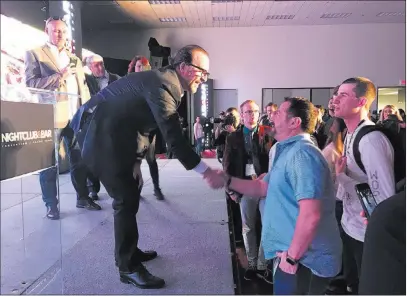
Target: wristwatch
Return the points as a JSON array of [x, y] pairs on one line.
[[290, 260]]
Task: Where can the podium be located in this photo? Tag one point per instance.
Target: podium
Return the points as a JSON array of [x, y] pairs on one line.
[[31, 244]]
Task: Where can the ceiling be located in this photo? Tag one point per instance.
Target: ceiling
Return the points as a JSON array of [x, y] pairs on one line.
[[229, 13]]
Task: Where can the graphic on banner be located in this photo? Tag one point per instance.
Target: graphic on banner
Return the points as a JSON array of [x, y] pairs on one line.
[[27, 138]]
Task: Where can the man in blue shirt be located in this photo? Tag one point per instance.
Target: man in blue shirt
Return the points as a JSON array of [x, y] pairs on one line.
[[299, 225]]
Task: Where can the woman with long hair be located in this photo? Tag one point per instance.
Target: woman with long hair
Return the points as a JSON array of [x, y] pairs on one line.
[[139, 64], [389, 110], [332, 151]]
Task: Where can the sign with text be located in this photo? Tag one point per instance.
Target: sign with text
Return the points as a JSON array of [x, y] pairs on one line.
[[27, 138]]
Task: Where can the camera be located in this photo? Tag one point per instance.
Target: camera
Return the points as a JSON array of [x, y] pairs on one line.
[[225, 121]]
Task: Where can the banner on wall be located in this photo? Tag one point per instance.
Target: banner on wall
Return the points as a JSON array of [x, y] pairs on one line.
[[27, 141]]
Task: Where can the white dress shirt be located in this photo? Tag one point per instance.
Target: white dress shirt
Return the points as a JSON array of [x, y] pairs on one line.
[[63, 61]]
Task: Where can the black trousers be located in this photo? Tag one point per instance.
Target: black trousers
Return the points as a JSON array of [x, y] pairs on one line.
[[93, 183], [111, 158], [78, 170], [352, 261], [384, 254], [152, 163]]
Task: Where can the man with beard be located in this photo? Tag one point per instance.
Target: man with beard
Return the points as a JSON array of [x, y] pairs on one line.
[[114, 130]]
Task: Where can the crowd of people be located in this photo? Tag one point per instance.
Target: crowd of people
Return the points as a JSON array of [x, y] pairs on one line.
[[295, 167]]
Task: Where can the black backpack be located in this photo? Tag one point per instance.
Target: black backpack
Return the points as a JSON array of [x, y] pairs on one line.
[[397, 137]]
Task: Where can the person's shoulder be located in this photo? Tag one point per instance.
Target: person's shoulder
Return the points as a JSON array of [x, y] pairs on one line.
[[166, 75]]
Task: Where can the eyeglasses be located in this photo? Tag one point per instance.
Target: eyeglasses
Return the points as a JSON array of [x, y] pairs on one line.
[[203, 71], [250, 112]]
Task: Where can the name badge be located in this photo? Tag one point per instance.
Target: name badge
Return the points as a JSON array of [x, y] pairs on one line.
[[250, 170]]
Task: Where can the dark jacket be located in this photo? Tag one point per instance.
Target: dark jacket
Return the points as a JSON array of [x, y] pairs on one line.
[[235, 159], [93, 84], [117, 124]]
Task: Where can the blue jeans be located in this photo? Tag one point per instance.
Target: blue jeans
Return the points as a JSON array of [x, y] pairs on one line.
[[48, 178], [198, 147], [78, 170], [304, 282]]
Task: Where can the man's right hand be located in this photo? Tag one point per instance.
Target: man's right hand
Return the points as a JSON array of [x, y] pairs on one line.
[[214, 178], [68, 71]]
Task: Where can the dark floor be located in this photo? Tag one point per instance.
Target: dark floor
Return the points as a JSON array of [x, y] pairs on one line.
[[254, 287]]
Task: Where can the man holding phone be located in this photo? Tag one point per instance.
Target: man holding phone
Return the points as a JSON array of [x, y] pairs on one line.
[[52, 67], [352, 104]]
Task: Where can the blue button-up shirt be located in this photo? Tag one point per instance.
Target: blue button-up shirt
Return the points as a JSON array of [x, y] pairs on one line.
[[299, 171]]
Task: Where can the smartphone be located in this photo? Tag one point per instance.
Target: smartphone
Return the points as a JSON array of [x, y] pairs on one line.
[[366, 198], [72, 62]]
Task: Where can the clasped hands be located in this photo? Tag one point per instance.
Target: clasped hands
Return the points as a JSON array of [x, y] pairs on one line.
[[216, 179]]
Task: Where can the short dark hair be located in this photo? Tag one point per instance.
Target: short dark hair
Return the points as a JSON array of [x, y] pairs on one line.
[[272, 105], [304, 109], [184, 55], [231, 109], [363, 88]]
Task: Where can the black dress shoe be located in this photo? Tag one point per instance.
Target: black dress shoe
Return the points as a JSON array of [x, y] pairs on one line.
[[93, 196], [158, 193], [88, 204], [144, 256], [141, 278], [53, 213], [147, 255]]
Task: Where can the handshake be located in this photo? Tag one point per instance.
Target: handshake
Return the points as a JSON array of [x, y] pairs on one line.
[[216, 179]]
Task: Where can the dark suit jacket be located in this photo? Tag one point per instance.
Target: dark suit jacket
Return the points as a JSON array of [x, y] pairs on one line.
[[94, 85], [234, 156], [116, 124]]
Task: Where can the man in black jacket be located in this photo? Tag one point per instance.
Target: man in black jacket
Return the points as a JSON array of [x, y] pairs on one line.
[[246, 156], [99, 79], [114, 131]]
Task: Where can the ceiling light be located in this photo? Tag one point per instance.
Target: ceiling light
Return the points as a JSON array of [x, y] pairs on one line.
[[336, 15], [173, 19], [391, 14], [163, 2], [281, 17], [226, 18], [225, 1]]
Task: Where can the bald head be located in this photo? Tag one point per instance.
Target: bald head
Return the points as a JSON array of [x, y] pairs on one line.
[[57, 32]]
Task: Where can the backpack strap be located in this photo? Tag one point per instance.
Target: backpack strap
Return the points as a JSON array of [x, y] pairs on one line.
[[356, 153]]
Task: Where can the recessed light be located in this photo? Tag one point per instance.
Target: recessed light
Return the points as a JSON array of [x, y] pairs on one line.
[[391, 14], [156, 2], [281, 17], [336, 15], [173, 19], [226, 18]]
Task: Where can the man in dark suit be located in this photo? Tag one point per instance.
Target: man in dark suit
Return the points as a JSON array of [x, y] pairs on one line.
[[99, 79], [114, 132]]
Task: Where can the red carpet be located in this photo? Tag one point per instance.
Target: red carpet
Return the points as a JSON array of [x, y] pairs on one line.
[[206, 154]]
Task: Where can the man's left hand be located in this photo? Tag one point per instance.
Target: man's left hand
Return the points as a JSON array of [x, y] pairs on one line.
[[284, 265]]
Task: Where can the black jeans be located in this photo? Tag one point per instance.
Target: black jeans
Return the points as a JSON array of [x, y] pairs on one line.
[[352, 261], [304, 282], [152, 163]]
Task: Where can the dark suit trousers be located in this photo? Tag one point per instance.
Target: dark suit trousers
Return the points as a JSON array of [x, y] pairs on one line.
[[93, 183], [152, 164], [79, 171], [113, 161]]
